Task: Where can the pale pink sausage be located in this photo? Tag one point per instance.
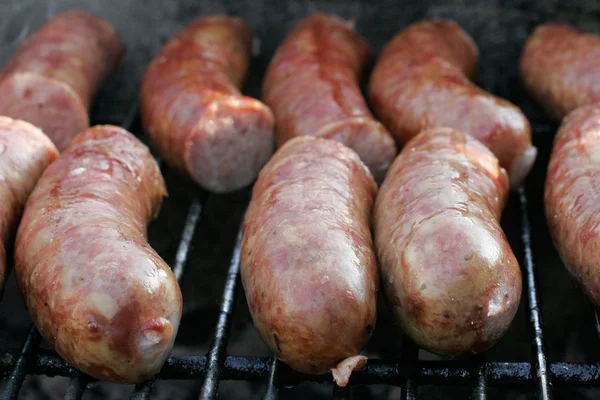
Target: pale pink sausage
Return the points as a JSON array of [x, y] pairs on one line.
[[571, 196], [95, 289], [448, 272], [24, 154], [51, 79], [308, 265], [194, 112]]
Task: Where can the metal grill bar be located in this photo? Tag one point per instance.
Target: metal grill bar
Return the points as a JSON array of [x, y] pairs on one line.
[[20, 367], [142, 390], [410, 357], [452, 373], [479, 379], [77, 385], [273, 384], [540, 362], [186, 238], [218, 346]]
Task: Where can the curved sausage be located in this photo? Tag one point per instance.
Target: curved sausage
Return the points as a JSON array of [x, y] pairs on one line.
[[559, 68], [51, 79], [193, 110], [421, 80], [448, 273], [95, 289], [571, 196], [307, 262], [24, 154], [312, 86]]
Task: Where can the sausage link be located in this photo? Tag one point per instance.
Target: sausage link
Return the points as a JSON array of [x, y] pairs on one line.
[[24, 154], [193, 110], [421, 80], [51, 79], [448, 272], [307, 262], [559, 68], [312, 86], [95, 289], [571, 196]]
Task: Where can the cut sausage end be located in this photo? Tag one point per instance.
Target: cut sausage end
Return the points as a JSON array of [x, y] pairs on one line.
[[371, 141], [342, 372], [47, 103], [230, 144], [521, 167]]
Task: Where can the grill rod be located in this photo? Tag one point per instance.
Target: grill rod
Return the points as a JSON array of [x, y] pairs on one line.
[[540, 362], [216, 354]]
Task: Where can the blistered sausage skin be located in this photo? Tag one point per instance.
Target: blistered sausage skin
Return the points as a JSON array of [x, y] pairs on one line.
[[307, 262], [52, 77], [421, 80], [448, 273], [312, 86], [559, 68], [571, 196], [193, 110], [95, 289], [24, 154]]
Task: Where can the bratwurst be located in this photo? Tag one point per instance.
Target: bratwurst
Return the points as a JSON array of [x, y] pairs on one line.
[[422, 79], [571, 196], [51, 79], [25, 152], [308, 264], [448, 272], [559, 67], [193, 110], [312, 86], [95, 289]]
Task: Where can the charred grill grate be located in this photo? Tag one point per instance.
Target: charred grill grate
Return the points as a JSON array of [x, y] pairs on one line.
[[407, 372]]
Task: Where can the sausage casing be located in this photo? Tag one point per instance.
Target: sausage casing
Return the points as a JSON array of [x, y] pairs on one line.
[[95, 289], [448, 272], [307, 262], [421, 80], [24, 154], [571, 196], [52, 77], [193, 110], [559, 67], [312, 86]]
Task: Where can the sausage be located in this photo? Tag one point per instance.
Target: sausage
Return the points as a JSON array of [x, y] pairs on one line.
[[95, 289], [312, 86], [448, 272], [307, 259], [421, 80], [193, 110], [24, 154], [570, 196], [52, 77], [559, 68]]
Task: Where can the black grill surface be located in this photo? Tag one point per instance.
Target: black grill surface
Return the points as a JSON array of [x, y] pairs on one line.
[[550, 352]]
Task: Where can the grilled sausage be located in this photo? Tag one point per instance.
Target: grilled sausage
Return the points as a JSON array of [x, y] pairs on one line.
[[24, 154], [307, 260], [559, 68], [95, 289], [448, 273], [193, 110], [571, 196], [312, 86], [51, 79], [421, 80]]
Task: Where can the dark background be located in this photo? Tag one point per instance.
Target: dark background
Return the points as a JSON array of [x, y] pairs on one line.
[[499, 28]]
